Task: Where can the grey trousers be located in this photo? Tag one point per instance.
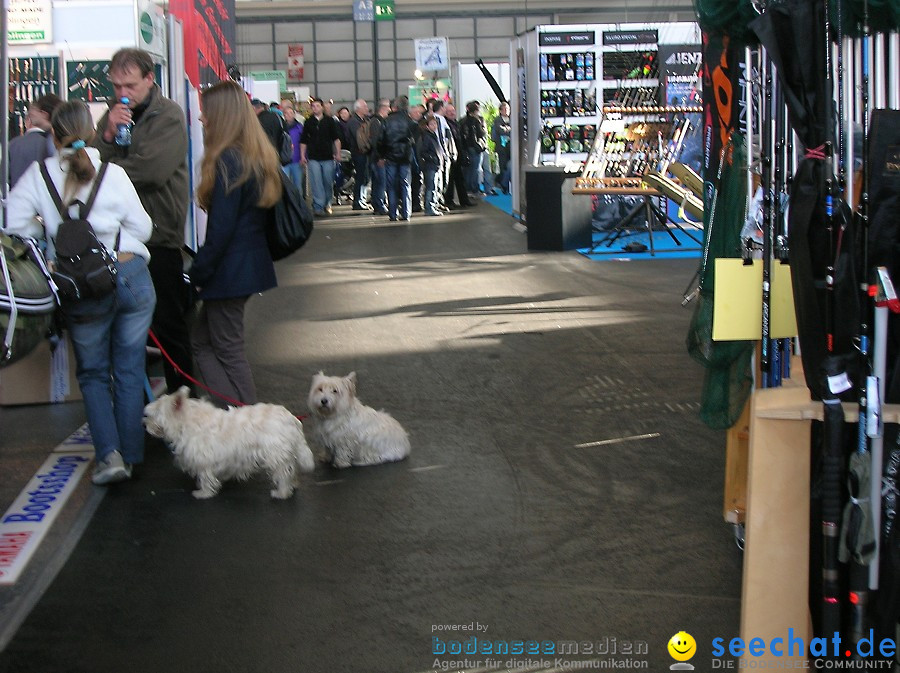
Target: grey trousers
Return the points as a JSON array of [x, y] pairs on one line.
[[218, 344]]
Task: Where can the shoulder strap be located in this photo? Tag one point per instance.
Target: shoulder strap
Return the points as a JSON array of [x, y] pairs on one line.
[[86, 208], [54, 193]]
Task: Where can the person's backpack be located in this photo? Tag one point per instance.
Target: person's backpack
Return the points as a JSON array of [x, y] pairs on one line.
[[364, 136], [286, 149], [85, 269], [290, 223]]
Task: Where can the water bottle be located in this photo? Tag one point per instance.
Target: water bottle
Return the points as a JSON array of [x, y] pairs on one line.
[[123, 131]]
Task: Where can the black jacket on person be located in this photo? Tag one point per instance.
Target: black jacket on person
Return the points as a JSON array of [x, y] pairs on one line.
[[273, 127], [429, 150], [473, 133], [319, 136], [395, 143]]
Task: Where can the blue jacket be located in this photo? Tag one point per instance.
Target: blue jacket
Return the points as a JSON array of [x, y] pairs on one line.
[[234, 261]]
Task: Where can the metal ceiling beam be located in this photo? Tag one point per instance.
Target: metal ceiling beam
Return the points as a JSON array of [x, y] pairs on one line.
[[618, 11]]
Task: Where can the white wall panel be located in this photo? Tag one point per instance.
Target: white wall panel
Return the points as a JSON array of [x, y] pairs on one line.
[[456, 27], [334, 51], [336, 71], [413, 28], [294, 32]]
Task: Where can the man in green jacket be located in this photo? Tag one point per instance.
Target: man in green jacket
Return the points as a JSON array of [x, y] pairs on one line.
[[156, 162]]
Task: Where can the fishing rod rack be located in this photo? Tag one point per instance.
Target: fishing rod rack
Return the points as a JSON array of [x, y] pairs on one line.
[[632, 154]]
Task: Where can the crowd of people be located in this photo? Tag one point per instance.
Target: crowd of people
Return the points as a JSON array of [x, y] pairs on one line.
[[402, 159]]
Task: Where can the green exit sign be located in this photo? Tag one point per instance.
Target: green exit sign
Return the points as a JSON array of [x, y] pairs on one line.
[[384, 10]]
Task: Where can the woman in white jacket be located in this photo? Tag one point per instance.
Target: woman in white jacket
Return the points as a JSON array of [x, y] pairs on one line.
[[109, 334]]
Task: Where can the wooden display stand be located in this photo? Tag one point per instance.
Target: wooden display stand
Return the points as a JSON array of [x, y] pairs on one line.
[[774, 595]]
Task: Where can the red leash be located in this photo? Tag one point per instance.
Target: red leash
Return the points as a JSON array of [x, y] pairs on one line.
[[190, 378]]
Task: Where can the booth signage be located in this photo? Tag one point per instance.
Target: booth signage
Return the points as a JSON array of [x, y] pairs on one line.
[[631, 37], [270, 76], [384, 10], [565, 39], [30, 21], [295, 62], [152, 29], [432, 53], [363, 10]]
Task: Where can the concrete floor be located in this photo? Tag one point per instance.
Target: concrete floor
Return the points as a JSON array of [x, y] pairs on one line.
[[502, 364]]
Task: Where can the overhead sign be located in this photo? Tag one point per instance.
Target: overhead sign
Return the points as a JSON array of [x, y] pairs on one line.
[[631, 37], [30, 21], [565, 39], [363, 10], [295, 62], [384, 10], [432, 53]]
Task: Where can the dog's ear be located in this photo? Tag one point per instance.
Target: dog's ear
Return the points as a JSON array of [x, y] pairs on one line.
[[351, 382], [180, 396]]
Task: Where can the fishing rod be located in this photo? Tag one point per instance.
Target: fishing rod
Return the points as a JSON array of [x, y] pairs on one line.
[[765, 354], [833, 412], [867, 387]]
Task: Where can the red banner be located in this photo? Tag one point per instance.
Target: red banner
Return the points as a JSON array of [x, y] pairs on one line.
[[208, 38]]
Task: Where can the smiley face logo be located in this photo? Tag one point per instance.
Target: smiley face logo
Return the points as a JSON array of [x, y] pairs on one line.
[[682, 646]]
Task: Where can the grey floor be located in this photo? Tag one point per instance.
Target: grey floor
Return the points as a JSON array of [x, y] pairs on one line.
[[510, 369]]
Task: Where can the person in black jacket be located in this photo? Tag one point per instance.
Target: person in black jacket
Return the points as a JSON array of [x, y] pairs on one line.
[[240, 181], [395, 148], [457, 162], [320, 150], [474, 137], [359, 158], [270, 122], [430, 152]]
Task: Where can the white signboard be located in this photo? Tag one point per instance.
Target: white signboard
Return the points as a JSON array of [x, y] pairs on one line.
[[30, 21], [152, 29], [432, 53]]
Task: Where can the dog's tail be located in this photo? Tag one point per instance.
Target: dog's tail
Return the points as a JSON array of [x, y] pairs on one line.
[[305, 460]]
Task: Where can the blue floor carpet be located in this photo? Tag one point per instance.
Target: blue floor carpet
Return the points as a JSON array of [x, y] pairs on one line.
[[501, 201], [663, 245]]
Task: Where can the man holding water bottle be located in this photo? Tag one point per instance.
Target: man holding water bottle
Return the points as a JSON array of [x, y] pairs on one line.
[[144, 132]]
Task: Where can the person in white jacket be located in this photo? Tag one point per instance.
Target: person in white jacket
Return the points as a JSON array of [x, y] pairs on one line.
[[108, 334]]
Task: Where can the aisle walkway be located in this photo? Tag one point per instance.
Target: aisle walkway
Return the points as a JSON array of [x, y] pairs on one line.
[[560, 487]]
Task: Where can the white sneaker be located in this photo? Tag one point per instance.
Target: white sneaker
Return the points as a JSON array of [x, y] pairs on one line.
[[111, 469]]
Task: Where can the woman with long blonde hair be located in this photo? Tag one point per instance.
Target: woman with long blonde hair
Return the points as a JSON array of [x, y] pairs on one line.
[[240, 181]]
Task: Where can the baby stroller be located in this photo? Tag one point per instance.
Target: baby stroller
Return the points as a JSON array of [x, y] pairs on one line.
[[344, 179]]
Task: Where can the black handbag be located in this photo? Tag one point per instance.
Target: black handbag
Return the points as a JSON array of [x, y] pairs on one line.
[[290, 222]]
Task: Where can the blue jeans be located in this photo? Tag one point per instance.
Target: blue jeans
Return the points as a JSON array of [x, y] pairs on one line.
[[429, 174], [295, 173], [472, 172], [321, 178], [109, 337], [399, 189], [361, 169], [377, 197]]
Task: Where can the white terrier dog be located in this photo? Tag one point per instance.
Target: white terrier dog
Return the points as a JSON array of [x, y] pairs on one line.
[[347, 431], [214, 445]]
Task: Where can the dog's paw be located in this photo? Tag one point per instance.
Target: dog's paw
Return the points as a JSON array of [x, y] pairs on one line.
[[203, 494]]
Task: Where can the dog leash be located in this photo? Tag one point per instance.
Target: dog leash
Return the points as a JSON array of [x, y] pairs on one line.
[[190, 378]]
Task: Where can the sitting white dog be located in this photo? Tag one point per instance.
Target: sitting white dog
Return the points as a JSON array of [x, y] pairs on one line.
[[214, 445], [345, 431]]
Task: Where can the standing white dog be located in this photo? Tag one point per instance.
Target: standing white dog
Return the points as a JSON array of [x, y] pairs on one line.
[[214, 445], [350, 432]]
